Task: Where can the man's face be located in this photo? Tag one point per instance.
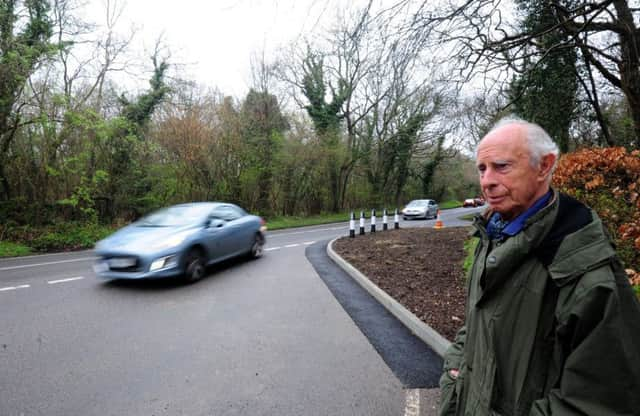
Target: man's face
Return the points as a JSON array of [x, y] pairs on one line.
[[508, 181]]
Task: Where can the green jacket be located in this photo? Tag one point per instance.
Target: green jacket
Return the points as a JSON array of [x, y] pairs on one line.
[[552, 326]]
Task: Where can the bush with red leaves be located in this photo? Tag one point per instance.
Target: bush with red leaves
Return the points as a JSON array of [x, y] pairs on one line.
[[608, 180]]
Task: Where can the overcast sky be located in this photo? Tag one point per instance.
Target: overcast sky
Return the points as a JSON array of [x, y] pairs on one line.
[[216, 39]]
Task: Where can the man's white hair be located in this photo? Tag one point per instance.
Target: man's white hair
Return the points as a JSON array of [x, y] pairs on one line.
[[538, 140]]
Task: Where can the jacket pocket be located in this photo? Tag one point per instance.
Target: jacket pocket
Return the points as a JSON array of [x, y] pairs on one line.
[[451, 394], [448, 395]]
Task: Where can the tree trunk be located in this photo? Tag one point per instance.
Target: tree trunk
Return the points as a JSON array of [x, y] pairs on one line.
[[335, 188], [632, 92], [592, 96], [7, 133], [4, 182], [630, 63]]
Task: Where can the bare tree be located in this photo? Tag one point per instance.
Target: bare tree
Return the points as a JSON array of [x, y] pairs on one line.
[[477, 114], [485, 36], [325, 81], [369, 96], [58, 94], [90, 53]]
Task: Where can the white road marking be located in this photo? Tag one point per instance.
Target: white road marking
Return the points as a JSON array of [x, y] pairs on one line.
[[315, 230], [53, 282], [4, 289], [41, 255], [412, 403], [71, 279], [289, 246], [342, 227], [296, 232], [47, 263]]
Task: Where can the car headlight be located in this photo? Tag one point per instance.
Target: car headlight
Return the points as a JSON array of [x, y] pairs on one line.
[[163, 263]]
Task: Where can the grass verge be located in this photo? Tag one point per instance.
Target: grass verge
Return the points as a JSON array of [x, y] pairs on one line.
[[450, 204], [278, 223], [10, 249], [63, 236], [469, 248]]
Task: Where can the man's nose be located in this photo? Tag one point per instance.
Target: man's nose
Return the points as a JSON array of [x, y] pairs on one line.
[[487, 179]]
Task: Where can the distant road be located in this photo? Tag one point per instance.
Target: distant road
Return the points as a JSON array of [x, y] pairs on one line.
[[258, 337]]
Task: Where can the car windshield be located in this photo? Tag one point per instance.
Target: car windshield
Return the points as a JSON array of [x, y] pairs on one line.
[[421, 203], [176, 216]]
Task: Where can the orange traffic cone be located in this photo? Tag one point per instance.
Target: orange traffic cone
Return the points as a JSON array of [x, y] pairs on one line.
[[438, 223]]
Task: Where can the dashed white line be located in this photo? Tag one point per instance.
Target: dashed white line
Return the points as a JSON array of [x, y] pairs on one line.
[[289, 246], [47, 263], [23, 266], [71, 279], [296, 232], [315, 230], [4, 289], [43, 255]]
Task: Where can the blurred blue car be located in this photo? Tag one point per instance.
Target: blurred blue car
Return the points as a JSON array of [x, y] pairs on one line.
[[180, 240]]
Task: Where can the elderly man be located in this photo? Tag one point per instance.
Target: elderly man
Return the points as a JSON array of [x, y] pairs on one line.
[[552, 326]]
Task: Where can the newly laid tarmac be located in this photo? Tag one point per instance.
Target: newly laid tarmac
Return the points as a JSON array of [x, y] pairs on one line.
[[410, 348]]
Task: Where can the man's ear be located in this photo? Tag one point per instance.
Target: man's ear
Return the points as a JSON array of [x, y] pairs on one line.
[[546, 164]]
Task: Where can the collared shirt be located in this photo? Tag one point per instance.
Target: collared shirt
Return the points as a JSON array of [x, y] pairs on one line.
[[498, 229]]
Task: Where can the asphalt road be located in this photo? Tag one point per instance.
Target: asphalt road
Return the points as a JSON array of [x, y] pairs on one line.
[[258, 337]]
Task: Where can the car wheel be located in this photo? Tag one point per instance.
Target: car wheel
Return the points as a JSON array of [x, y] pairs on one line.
[[257, 248], [194, 269]]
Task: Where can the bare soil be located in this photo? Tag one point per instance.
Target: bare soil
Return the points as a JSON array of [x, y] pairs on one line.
[[419, 267]]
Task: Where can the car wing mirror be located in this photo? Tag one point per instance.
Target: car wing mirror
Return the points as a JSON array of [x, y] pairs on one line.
[[215, 223]]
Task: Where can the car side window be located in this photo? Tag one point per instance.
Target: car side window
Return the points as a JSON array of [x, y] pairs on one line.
[[226, 212], [238, 211]]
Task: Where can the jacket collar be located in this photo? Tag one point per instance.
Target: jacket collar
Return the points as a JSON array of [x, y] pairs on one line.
[[566, 236], [580, 252]]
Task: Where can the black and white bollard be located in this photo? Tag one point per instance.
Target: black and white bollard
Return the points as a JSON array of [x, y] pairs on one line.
[[396, 220], [373, 220], [361, 222], [352, 225], [385, 227]]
